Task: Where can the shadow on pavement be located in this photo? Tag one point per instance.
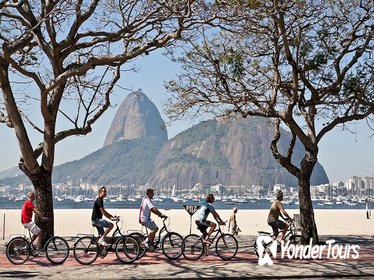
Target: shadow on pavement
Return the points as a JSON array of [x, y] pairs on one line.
[[18, 274]]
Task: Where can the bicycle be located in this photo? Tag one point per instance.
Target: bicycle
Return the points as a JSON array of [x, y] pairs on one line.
[[87, 249], [19, 248], [171, 242], [291, 236], [194, 247]]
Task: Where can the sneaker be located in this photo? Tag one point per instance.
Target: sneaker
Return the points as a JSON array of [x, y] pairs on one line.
[[103, 253], [103, 243], [207, 241], [37, 252], [145, 243]]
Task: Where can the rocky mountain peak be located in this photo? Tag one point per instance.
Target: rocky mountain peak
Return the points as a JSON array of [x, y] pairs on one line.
[[136, 118]]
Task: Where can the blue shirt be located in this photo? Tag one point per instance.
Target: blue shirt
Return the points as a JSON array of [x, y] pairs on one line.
[[204, 211]]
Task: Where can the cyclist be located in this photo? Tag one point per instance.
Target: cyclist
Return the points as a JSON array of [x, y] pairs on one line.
[[277, 210], [97, 220], [145, 216], [202, 222], [26, 219]]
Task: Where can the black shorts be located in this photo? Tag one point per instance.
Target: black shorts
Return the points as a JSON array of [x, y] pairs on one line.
[[202, 226], [277, 224]]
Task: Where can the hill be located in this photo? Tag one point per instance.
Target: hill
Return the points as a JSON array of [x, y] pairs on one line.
[[136, 151]]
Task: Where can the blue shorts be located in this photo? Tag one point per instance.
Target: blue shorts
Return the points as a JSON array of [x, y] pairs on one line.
[[150, 224], [100, 224]]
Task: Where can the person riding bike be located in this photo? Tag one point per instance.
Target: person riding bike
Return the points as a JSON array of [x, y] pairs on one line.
[[27, 211], [277, 210], [202, 222], [145, 216], [97, 220]]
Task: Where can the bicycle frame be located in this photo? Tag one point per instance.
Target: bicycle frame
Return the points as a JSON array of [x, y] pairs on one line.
[[87, 249], [30, 241], [158, 238], [290, 232], [56, 248], [113, 239], [291, 236], [225, 245], [217, 232], [45, 238]]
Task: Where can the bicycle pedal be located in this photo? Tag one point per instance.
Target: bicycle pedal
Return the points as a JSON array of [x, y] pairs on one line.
[[279, 248], [37, 253]]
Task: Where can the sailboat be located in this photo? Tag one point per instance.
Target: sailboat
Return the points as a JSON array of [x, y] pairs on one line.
[[174, 197], [78, 198]]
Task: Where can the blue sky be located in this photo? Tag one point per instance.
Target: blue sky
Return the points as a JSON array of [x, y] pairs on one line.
[[342, 153]]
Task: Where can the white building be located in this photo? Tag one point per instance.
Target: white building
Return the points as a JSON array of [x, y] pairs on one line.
[[360, 185]]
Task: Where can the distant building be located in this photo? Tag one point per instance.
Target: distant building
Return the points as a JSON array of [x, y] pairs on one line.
[[217, 189], [360, 185], [278, 187]]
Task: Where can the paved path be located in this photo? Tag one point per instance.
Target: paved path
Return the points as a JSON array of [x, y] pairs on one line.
[[245, 265]]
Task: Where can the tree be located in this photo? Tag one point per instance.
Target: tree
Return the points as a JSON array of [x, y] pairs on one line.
[[62, 54], [305, 65]]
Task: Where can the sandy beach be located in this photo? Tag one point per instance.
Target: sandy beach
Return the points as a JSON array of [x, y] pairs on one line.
[[70, 222]]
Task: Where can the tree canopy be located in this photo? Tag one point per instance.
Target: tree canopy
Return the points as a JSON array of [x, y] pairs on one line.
[[306, 65], [63, 54]]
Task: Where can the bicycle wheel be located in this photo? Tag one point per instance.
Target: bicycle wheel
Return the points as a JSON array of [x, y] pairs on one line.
[[172, 245], [18, 250], [192, 247], [127, 249], [86, 250], [57, 250], [298, 240], [226, 246], [140, 238]]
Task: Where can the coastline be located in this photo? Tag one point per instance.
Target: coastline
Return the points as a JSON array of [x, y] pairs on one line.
[[72, 222]]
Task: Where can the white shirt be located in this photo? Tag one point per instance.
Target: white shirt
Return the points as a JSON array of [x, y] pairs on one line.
[[145, 213]]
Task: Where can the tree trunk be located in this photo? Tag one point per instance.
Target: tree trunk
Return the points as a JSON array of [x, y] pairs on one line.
[[42, 182], [308, 225]]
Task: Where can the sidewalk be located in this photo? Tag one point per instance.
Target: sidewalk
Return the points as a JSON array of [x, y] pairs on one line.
[[244, 266]]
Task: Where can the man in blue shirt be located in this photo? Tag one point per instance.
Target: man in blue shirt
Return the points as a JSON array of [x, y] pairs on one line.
[[201, 219]]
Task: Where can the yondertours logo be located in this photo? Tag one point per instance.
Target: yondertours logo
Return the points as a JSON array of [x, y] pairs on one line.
[[267, 250]]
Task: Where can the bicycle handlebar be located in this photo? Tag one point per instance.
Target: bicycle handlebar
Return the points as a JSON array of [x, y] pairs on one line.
[[223, 222], [290, 221], [115, 219]]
